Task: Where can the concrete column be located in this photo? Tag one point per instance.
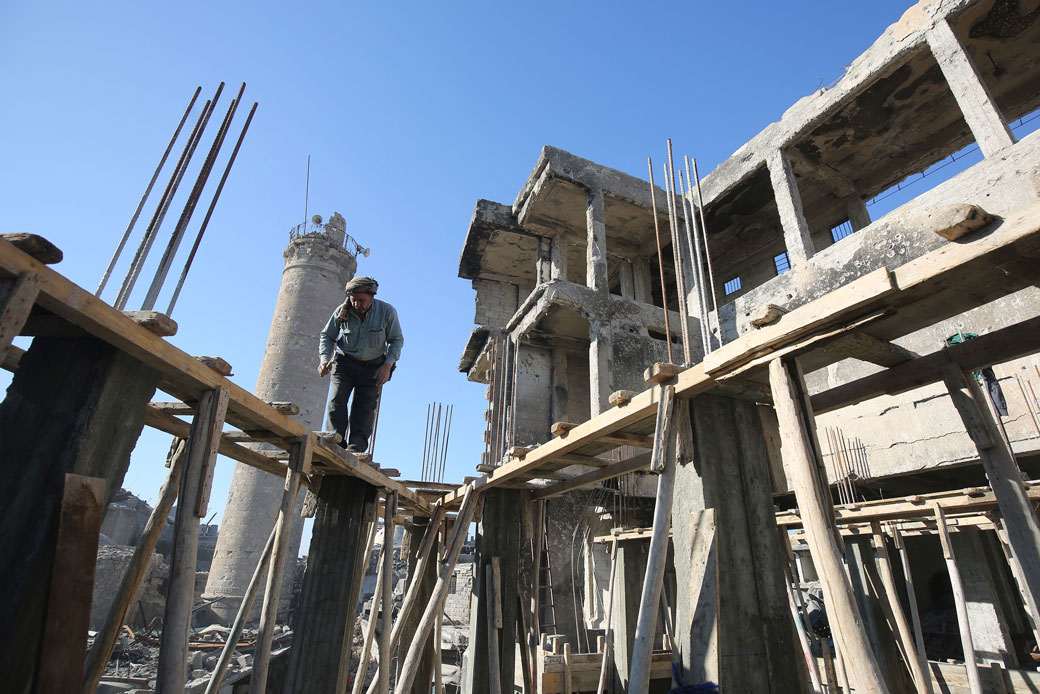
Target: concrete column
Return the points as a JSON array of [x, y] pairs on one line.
[[316, 268], [789, 204], [596, 245], [543, 270], [601, 358], [643, 281], [75, 405], [989, 628], [628, 289], [558, 257], [498, 535], [559, 402], [976, 103], [320, 654], [733, 623], [856, 209]]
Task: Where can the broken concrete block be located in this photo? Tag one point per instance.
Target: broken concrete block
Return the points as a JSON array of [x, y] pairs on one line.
[[770, 314], [955, 221]]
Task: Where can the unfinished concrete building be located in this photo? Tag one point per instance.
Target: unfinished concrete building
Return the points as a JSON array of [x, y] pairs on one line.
[[784, 478]]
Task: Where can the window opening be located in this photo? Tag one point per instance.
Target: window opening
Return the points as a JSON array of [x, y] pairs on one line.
[[732, 286], [782, 262], [841, 231]]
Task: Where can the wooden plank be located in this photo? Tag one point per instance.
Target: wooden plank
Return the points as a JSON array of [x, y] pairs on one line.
[[607, 472], [16, 306], [957, 588], [106, 638], [494, 668], [387, 589], [800, 452], [60, 668], [843, 303], [1005, 344], [866, 347]]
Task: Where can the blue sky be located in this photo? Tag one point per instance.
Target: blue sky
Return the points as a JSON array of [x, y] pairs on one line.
[[411, 112]]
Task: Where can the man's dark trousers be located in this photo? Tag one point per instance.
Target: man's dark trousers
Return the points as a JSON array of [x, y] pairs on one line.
[[351, 376]]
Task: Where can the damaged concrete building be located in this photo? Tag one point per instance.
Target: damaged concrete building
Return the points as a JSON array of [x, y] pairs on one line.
[[735, 441]]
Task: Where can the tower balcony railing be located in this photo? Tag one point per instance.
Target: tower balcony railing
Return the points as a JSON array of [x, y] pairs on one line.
[[327, 231]]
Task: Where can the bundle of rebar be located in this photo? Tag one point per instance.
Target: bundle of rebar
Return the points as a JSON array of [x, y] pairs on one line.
[[688, 239], [166, 198], [435, 443]]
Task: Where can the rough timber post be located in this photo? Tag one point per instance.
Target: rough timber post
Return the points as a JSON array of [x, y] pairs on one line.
[[976, 103], [800, 449], [423, 590], [631, 567], [319, 658], [498, 535], [733, 622], [191, 508], [74, 405], [1003, 473]]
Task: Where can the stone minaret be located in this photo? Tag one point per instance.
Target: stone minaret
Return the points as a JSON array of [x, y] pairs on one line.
[[316, 267]]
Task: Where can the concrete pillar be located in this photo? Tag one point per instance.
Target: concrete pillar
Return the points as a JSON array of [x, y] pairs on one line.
[[498, 535], [75, 405], [628, 289], [336, 562], [543, 269], [601, 357], [644, 284], [559, 401], [733, 623], [976, 103], [856, 209], [797, 238], [316, 268], [415, 532], [558, 257], [596, 244], [989, 628]]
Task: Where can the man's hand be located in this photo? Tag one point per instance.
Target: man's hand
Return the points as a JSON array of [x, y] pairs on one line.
[[324, 368], [383, 374]]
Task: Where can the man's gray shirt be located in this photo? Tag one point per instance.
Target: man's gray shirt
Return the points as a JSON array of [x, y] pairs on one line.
[[380, 333]]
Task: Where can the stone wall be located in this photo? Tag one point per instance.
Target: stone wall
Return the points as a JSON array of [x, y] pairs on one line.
[[149, 601], [457, 605], [496, 302]]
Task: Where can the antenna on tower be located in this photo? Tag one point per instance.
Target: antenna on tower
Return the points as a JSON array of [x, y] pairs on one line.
[[306, 195]]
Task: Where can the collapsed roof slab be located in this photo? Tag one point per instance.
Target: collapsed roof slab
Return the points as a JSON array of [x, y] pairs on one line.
[[496, 246]]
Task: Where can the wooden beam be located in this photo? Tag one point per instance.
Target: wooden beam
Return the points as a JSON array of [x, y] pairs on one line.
[[16, 305], [637, 462], [866, 347], [1005, 344]]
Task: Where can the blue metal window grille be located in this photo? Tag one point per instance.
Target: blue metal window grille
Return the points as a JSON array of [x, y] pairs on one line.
[[731, 286], [841, 231], [782, 262]]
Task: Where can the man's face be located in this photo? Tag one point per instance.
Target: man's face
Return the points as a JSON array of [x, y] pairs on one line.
[[360, 301]]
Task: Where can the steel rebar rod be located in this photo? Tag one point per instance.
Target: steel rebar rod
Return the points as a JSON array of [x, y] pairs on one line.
[[684, 309], [426, 436], [707, 249], [166, 200], [209, 212], [660, 260], [694, 257], [699, 238], [680, 284], [447, 434], [436, 439], [166, 262], [147, 192]]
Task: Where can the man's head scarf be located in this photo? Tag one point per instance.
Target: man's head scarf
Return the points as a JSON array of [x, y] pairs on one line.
[[364, 285]]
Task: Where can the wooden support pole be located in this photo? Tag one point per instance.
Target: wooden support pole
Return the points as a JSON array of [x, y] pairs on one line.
[[911, 596], [967, 644], [72, 581], [919, 671], [240, 619], [1005, 477], [828, 666], [435, 607], [646, 623], [494, 668], [373, 614], [568, 676], [1032, 614], [800, 450], [803, 639], [195, 482], [608, 641], [105, 641], [299, 463], [387, 589]]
